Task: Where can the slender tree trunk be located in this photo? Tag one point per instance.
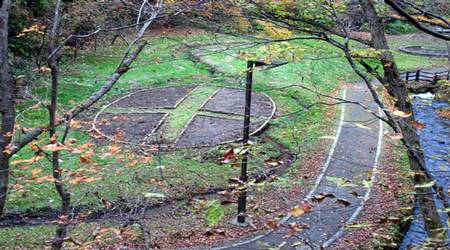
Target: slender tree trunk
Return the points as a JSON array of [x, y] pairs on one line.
[[7, 106], [57, 171], [53, 63], [397, 89]]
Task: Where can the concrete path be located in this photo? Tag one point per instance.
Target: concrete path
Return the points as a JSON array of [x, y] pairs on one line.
[[352, 161]]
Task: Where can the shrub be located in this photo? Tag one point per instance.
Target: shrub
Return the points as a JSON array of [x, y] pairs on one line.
[[398, 27]]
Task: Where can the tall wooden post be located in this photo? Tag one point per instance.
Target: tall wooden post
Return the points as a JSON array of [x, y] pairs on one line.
[[242, 200]]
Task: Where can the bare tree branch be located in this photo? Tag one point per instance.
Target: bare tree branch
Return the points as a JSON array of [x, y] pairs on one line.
[[416, 23]]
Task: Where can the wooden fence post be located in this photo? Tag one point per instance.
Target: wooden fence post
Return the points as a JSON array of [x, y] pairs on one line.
[[417, 75]]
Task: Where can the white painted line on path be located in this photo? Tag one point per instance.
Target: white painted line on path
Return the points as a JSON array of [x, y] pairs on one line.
[[373, 178]]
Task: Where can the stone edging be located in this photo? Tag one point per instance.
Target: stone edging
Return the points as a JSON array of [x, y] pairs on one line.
[[421, 51]]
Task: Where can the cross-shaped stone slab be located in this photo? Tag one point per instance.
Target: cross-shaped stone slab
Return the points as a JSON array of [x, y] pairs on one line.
[[184, 116]]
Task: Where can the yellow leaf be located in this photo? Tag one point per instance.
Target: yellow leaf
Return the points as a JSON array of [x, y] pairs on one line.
[[401, 114], [301, 209], [297, 211]]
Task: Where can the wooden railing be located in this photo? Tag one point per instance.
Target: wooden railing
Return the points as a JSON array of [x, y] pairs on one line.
[[425, 76]]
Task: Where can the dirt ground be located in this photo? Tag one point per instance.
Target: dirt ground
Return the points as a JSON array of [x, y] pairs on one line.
[[230, 101], [167, 97], [133, 127], [208, 130]]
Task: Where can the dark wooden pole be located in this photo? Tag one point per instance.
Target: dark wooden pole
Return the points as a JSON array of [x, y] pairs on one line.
[[242, 200]]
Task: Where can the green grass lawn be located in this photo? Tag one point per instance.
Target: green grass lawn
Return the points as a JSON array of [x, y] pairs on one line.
[[117, 177], [162, 63], [412, 62]]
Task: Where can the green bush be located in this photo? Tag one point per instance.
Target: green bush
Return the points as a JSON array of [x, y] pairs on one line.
[[398, 27]]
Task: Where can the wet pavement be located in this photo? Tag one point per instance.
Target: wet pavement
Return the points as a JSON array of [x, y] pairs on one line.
[[351, 163]]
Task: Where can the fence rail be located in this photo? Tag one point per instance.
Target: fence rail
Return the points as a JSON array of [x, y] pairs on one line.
[[425, 76]]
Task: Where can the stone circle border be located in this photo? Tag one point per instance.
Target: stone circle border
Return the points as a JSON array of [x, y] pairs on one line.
[[412, 49], [174, 144]]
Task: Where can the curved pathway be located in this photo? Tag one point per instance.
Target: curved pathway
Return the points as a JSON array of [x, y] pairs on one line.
[[347, 175]]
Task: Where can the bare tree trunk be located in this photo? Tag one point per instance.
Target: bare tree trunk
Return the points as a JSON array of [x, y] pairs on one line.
[[397, 88], [53, 63], [7, 106]]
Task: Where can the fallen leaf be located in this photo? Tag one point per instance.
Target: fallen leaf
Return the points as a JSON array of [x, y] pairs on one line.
[[53, 139], [346, 203], [234, 180], [28, 161], [394, 136], [228, 156], [340, 182], [367, 183], [401, 114], [85, 158], [359, 125], [361, 225], [45, 178], [227, 202], [120, 135], [301, 209], [418, 125], [106, 203], [272, 224], [75, 124], [297, 211], [8, 149], [425, 185], [354, 193], [321, 196], [154, 195], [34, 173], [55, 147], [390, 220]]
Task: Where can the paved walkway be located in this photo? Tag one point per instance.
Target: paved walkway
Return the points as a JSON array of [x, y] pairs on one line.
[[353, 157]]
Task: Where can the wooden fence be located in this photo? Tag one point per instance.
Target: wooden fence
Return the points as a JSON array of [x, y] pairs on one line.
[[425, 76]]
